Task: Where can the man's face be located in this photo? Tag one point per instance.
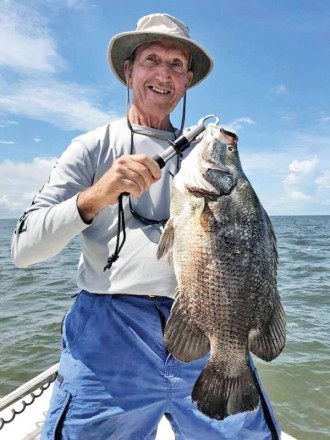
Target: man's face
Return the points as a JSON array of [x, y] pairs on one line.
[[159, 77]]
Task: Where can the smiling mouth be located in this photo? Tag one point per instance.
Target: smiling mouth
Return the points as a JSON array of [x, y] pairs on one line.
[[159, 90]]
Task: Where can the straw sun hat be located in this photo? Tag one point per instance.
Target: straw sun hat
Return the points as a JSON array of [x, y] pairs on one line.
[[153, 28]]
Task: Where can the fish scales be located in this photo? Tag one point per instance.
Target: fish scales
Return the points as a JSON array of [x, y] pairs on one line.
[[223, 249]]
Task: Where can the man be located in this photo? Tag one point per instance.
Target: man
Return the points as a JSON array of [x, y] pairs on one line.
[[116, 379]]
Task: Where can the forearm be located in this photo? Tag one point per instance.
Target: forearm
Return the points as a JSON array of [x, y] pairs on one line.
[[45, 232], [88, 204]]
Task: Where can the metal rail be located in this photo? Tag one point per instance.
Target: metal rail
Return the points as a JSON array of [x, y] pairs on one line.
[[47, 376]]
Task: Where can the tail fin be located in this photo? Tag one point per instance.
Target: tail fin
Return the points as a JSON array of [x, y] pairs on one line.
[[219, 396]]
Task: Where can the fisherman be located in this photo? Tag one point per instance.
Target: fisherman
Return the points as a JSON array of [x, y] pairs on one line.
[[116, 379]]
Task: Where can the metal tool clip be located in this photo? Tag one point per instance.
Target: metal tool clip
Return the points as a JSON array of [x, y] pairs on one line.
[[183, 141]]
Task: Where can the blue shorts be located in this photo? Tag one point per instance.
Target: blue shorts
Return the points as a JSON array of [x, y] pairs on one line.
[[116, 379]]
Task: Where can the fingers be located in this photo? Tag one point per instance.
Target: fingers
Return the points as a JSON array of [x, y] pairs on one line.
[[138, 173], [129, 173], [149, 163]]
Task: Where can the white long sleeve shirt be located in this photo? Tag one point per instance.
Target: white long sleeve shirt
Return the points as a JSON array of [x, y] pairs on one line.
[[53, 219]]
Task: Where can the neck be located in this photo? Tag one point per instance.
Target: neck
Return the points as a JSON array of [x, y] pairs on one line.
[[146, 120]]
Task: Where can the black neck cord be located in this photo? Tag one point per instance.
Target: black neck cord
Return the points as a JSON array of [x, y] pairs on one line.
[[120, 226], [121, 215]]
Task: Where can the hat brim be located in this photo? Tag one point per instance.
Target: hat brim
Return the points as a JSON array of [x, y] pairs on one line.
[[121, 47]]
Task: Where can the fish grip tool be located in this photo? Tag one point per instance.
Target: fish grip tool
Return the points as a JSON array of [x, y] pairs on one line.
[[176, 147], [182, 142]]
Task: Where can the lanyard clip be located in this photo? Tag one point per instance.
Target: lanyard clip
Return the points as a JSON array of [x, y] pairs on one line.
[[191, 133]]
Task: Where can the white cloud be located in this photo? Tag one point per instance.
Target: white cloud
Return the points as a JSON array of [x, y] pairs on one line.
[[6, 123], [292, 179], [20, 182], [303, 166], [291, 203], [324, 180], [287, 185], [286, 116], [67, 106], [237, 124], [25, 41], [28, 49], [280, 89], [7, 142], [299, 169], [298, 196], [263, 161], [75, 4], [36, 170], [70, 4], [307, 144]]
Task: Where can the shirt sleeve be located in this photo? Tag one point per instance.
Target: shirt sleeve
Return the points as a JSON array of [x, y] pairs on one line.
[[53, 220]]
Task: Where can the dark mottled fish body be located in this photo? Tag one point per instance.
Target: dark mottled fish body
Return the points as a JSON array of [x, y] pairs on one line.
[[223, 247]]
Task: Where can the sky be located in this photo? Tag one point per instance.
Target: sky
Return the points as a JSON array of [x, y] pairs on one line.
[[270, 84]]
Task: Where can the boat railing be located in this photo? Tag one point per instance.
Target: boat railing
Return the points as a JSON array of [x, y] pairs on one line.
[[34, 388]]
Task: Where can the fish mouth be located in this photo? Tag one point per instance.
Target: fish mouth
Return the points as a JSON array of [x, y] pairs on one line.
[[159, 90], [202, 193], [215, 166]]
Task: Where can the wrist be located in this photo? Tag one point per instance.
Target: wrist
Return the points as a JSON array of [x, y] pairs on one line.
[[88, 205]]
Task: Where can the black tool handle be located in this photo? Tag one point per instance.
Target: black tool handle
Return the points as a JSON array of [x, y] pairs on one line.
[[176, 147], [161, 162]]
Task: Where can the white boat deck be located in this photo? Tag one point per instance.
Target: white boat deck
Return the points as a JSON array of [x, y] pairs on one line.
[[28, 424]]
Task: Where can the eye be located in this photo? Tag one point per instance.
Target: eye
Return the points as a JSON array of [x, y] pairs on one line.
[[178, 66], [231, 148], [177, 63], [150, 60]]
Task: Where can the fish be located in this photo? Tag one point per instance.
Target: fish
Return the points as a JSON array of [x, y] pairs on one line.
[[223, 248]]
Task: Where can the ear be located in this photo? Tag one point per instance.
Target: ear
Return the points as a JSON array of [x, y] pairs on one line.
[[189, 79], [127, 71]]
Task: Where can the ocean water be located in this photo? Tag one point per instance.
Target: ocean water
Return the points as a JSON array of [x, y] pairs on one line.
[[34, 301]]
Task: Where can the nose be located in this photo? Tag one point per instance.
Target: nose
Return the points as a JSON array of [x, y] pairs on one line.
[[163, 71]]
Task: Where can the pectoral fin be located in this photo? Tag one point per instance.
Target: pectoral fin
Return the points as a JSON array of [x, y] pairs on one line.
[[268, 342], [165, 245], [183, 339]]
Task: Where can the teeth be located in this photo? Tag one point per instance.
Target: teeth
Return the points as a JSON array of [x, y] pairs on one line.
[[162, 91]]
